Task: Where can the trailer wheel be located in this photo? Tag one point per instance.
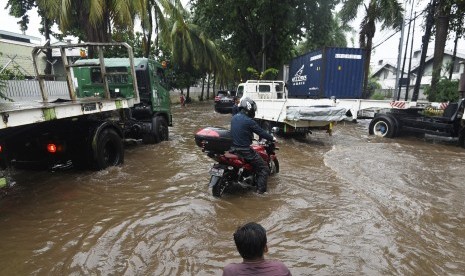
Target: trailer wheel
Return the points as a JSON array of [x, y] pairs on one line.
[[109, 150], [158, 133], [383, 127]]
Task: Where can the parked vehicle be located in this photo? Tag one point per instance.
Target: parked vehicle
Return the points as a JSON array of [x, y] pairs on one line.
[[394, 122], [230, 172], [110, 99], [224, 101], [291, 116], [330, 72]]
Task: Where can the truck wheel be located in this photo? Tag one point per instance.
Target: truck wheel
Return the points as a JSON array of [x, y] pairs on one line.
[[161, 129], [109, 150], [158, 133], [461, 140], [382, 127]]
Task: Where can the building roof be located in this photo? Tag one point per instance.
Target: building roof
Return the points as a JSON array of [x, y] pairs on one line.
[[19, 37], [429, 59]]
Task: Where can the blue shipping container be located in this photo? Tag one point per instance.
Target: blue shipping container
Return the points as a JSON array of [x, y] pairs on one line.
[[333, 71]]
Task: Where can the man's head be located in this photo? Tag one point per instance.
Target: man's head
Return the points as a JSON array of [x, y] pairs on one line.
[[251, 241]]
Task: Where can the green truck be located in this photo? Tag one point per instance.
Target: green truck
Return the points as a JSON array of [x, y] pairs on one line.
[[110, 100]]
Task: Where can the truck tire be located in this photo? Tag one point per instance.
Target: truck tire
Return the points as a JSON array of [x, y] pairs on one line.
[[109, 150], [158, 133], [383, 126], [461, 141]]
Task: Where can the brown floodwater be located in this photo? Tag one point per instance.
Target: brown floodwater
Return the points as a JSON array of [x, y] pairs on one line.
[[347, 204]]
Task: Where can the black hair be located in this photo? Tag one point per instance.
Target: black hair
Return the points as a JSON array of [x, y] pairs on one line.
[[250, 240]]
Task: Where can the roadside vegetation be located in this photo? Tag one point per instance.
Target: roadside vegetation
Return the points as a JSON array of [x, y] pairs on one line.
[[222, 43]]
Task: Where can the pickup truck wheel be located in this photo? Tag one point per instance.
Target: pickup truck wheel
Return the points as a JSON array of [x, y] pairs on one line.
[[461, 141], [109, 150], [382, 127], [158, 133], [266, 126]]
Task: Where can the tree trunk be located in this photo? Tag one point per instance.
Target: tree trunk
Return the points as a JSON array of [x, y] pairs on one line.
[[203, 88], [48, 54], [150, 30], [208, 86], [442, 25], [424, 49], [214, 84], [370, 33]]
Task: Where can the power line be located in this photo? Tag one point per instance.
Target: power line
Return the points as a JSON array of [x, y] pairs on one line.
[[397, 31]]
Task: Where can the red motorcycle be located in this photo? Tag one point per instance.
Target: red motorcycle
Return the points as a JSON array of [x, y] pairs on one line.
[[232, 172]]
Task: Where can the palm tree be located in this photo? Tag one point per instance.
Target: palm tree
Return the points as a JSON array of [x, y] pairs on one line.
[[387, 12], [91, 19]]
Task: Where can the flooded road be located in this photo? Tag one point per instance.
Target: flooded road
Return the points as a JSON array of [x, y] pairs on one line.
[[349, 204]]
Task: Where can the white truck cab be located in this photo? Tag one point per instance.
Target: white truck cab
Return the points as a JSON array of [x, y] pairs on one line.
[[266, 89]]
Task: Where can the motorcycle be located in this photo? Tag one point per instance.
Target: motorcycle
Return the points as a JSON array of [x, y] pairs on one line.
[[231, 172]]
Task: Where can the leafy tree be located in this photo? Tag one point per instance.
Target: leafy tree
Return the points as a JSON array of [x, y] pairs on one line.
[[446, 91], [259, 32], [20, 9], [331, 33], [449, 14], [387, 12]]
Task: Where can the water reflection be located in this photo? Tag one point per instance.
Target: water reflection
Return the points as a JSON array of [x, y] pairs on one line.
[[341, 205]]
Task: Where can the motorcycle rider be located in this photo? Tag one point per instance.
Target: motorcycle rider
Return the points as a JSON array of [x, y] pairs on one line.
[[242, 129]]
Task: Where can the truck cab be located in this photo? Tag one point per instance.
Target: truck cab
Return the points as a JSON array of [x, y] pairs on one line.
[[153, 95], [266, 89]]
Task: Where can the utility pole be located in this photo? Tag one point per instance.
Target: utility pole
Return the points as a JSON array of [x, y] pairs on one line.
[[410, 61], [424, 48], [405, 55], [399, 56]]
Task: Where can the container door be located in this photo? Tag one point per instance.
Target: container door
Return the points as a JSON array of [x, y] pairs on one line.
[[344, 73]]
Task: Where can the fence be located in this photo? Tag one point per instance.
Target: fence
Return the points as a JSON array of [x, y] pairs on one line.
[[29, 90], [24, 90]]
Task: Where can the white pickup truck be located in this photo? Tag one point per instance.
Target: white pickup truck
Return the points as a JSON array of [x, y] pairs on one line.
[[290, 115]]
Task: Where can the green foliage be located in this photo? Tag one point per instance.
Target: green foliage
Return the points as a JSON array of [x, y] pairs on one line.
[[377, 96], [9, 74], [268, 74], [248, 29], [331, 33], [446, 91], [372, 86]]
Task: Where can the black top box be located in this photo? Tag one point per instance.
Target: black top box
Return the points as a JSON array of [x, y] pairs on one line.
[[216, 139]]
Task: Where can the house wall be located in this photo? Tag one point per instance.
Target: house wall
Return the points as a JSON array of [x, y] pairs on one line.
[[22, 54]]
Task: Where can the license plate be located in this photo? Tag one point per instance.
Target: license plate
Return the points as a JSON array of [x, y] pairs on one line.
[[216, 171]]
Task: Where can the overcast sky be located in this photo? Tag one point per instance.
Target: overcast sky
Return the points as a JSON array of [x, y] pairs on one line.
[[387, 49]]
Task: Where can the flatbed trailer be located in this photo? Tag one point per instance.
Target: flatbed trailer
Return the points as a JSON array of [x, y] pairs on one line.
[[391, 123], [110, 99], [302, 115]]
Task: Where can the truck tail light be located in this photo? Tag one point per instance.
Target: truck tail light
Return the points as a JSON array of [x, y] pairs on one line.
[[1, 148], [52, 148]]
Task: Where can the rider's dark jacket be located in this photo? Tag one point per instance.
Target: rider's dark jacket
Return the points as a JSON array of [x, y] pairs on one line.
[[242, 130]]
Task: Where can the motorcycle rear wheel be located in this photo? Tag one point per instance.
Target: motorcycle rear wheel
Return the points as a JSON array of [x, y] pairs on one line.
[[274, 166], [219, 188]]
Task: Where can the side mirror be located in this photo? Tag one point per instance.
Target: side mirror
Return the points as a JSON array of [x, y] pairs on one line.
[[274, 129]]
